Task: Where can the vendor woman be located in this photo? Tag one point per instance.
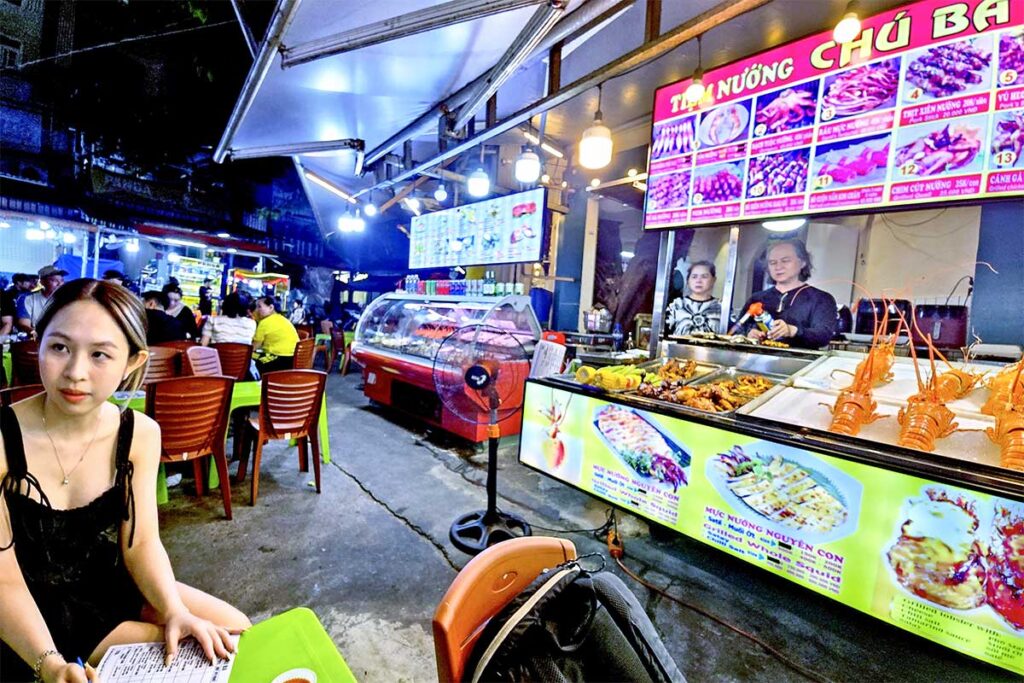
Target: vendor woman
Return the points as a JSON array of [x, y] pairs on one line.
[[803, 316], [698, 311]]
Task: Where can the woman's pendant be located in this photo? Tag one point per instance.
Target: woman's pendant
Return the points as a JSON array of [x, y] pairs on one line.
[[65, 482]]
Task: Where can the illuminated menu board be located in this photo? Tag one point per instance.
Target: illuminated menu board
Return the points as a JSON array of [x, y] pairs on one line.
[[926, 105], [507, 229]]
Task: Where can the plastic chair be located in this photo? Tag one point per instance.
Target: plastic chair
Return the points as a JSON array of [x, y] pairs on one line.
[[303, 358], [303, 334], [193, 416], [202, 361], [482, 589], [347, 357], [25, 363], [235, 359], [181, 345], [12, 395], [290, 403], [164, 363]]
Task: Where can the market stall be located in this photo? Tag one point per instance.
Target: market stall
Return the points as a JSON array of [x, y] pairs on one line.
[[257, 284], [846, 473]]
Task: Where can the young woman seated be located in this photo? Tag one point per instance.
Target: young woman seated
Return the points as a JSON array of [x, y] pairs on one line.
[[82, 567]]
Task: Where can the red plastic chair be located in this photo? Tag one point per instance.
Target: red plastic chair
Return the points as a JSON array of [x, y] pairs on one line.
[[12, 395], [25, 363], [193, 416], [235, 359], [182, 345], [303, 358], [289, 408], [164, 363], [482, 589], [202, 361]]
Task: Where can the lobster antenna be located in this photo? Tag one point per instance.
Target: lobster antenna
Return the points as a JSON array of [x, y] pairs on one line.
[[931, 359], [1016, 379], [913, 351]]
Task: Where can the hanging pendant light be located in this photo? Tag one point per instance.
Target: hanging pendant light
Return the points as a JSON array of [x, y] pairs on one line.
[[478, 184], [848, 27], [695, 91], [596, 144], [440, 194], [528, 166]]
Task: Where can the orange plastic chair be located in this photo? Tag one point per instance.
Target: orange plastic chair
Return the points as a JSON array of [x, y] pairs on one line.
[[181, 345], [235, 359], [12, 395], [164, 363], [304, 331], [25, 363], [193, 416], [202, 361], [303, 358], [289, 407], [481, 591]]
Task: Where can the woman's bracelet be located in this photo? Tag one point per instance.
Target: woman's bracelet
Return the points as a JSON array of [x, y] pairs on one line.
[[38, 668]]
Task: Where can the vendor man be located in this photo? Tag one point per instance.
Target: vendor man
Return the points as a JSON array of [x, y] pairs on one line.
[[803, 316]]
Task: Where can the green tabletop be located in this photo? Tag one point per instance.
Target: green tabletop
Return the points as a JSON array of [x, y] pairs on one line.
[[7, 366], [292, 640], [244, 395]]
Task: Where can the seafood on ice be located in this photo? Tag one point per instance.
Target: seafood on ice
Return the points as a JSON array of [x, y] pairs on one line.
[[642, 446], [783, 491], [938, 555], [947, 149], [793, 108], [949, 69], [864, 88], [849, 166]]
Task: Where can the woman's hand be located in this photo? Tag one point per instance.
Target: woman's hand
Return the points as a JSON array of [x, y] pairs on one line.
[[215, 640], [756, 334], [780, 329], [59, 671]]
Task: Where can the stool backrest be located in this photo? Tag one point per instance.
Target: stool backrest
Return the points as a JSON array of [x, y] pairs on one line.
[[25, 363], [192, 413], [202, 361], [303, 358], [164, 363], [290, 402], [235, 359]]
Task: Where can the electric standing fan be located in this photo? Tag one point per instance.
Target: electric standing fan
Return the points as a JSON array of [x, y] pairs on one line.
[[480, 373]]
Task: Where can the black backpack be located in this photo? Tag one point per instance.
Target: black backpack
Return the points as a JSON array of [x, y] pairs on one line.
[[572, 625]]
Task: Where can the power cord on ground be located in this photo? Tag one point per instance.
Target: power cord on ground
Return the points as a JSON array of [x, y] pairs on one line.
[[617, 550], [598, 532]]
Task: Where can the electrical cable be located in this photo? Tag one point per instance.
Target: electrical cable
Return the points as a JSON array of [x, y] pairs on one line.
[[953, 291], [597, 532], [617, 550]]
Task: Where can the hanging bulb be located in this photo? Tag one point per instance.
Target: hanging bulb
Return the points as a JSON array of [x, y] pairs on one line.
[[413, 204], [596, 145], [440, 194], [695, 91], [370, 209], [478, 184], [528, 166], [848, 27]]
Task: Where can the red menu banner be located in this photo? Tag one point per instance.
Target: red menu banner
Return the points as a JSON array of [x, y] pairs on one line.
[[926, 105]]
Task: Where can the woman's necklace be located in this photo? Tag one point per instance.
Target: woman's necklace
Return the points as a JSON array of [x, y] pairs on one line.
[[67, 474]]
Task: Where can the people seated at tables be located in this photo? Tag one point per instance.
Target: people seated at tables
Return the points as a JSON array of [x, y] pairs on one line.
[[183, 313], [233, 324], [275, 337], [698, 310], [31, 306], [298, 314], [21, 285], [82, 567], [160, 327], [803, 316]]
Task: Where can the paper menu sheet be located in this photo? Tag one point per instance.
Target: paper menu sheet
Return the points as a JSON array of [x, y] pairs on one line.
[[144, 663]]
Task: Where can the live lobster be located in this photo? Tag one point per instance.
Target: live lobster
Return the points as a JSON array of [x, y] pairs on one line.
[[926, 418], [1008, 433], [855, 406]]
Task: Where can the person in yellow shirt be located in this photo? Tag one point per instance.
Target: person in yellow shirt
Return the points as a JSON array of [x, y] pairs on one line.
[[275, 337]]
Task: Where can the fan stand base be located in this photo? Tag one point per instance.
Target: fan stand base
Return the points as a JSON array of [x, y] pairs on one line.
[[474, 532]]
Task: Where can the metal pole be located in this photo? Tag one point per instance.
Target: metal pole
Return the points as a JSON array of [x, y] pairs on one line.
[[540, 24], [589, 266], [730, 279], [644, 54], [283, 15], [666, 252], [96, 254], [579, 21], [250, 41], [291, 149], [402, 26]]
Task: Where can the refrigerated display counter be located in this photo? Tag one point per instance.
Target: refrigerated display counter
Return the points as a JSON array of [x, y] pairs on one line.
[[399, 334], [733, 449]]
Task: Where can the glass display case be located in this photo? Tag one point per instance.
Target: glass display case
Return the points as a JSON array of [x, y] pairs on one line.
[[414, 325]]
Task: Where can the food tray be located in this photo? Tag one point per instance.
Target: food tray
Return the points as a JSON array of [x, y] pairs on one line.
[[570, 379], [703, 368], [725, 374]]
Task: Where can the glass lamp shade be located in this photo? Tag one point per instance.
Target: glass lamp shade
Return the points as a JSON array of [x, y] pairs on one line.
[[528, 167], [695, 91], [596, 146], [847, 29], [478, 184]]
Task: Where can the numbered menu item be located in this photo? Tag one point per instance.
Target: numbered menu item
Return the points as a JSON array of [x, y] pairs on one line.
[[1008, 139], [717, 184], [787, 109], [956, 68], [940, 148], [778, 174], [1011, 58], [725, 124], [672, 138], [852, 162], [864, 89]]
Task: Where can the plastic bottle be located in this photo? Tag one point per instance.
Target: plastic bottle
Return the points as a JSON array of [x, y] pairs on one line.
[[617, 337]]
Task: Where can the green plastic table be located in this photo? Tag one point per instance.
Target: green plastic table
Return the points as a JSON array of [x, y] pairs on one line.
[[7, 366], [292, 640], [244, 395]]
